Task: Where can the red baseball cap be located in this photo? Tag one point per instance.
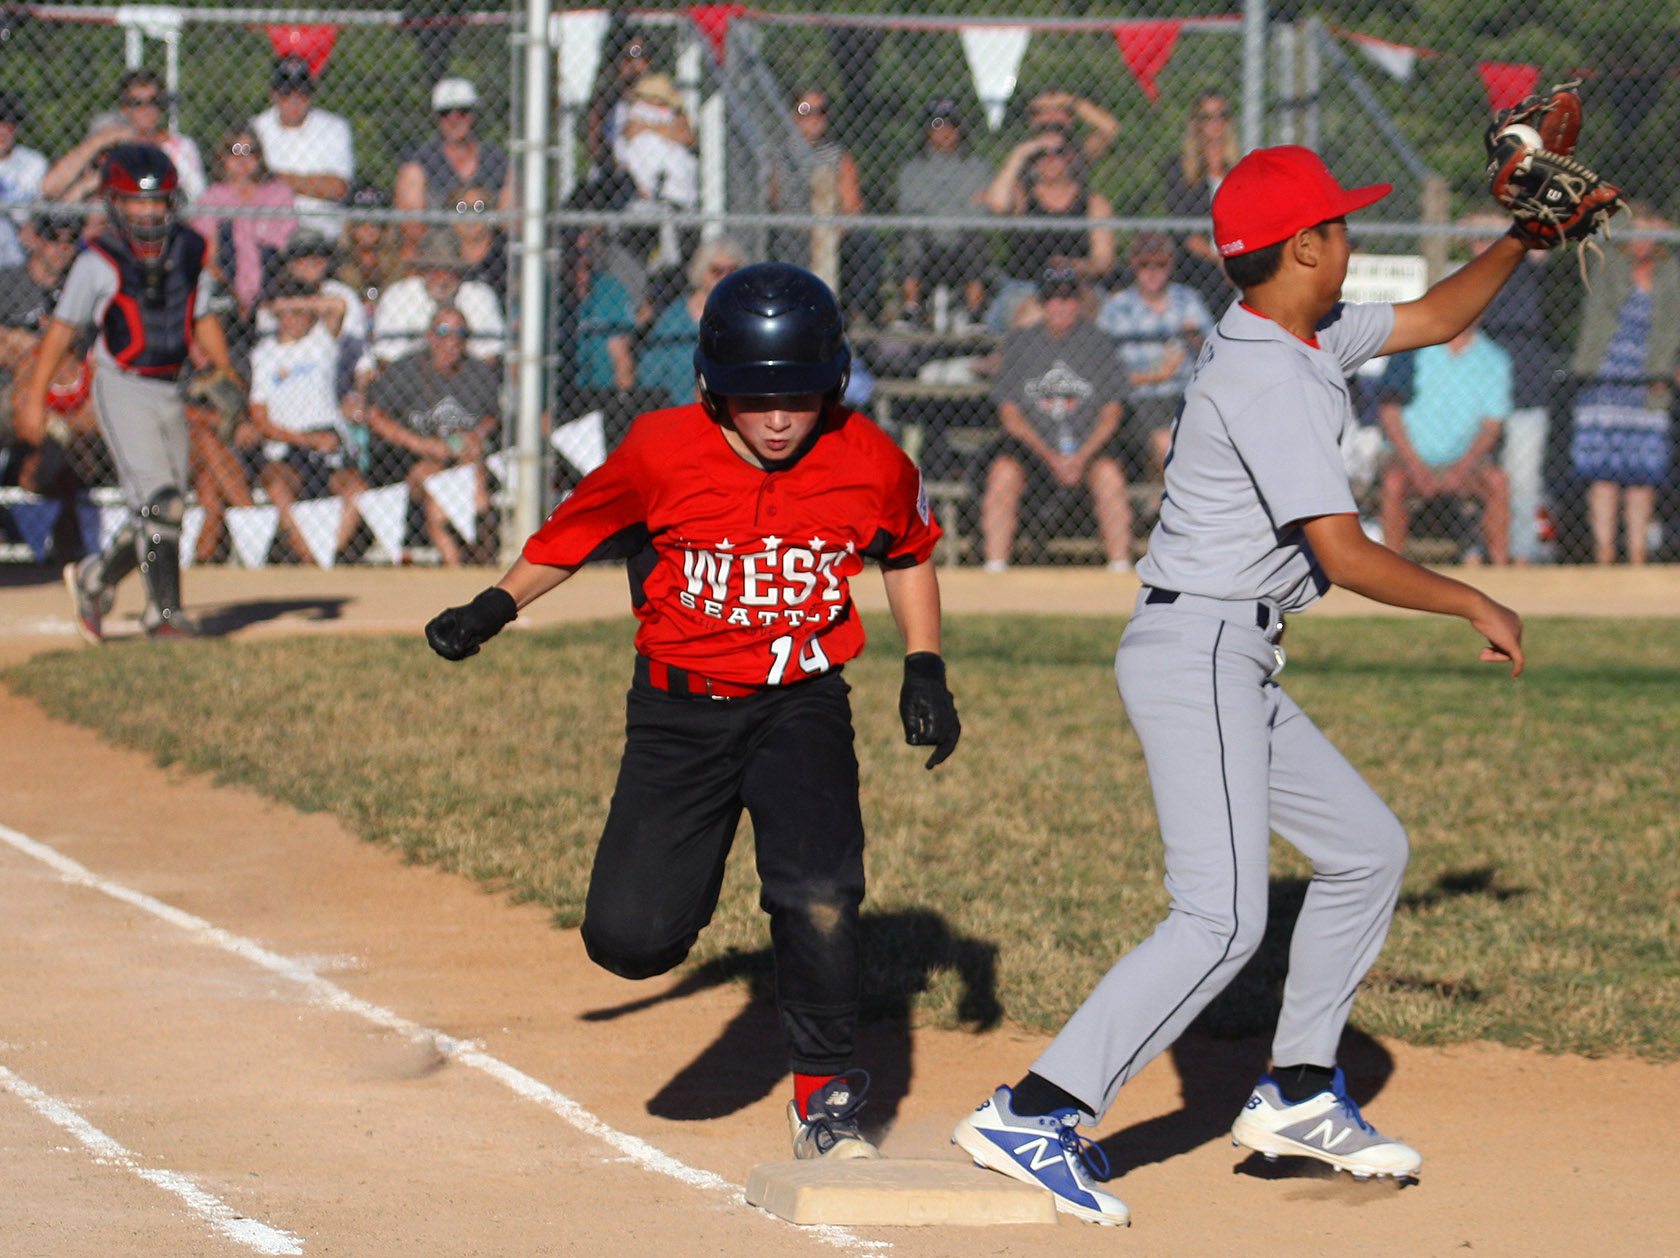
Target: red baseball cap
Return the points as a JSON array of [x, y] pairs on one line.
[[1273, 193]]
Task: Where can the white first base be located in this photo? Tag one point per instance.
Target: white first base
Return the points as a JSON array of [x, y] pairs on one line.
[[894, 1192]]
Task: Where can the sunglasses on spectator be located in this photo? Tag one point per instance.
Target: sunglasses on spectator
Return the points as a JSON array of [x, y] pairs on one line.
[[63, 236], [477, 206], [139, 102], [456, 109], [242, 149], [448, 329]]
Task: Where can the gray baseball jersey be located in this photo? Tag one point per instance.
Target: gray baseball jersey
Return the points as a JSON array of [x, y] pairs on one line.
[[1256, 448], [1231, 757]]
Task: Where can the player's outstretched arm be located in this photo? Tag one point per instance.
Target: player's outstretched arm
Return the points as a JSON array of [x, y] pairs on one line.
[[1452, 305], [457, 632], [1354, 562], [925, 704]]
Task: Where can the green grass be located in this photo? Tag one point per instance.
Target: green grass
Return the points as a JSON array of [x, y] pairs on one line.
[[1542, 907]]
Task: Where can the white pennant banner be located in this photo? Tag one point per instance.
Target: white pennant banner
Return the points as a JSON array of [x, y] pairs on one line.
[[111, 520], [456, 493], [386, 513], [252, 530], [580, 40], [583, 442], [994, 56], [318, 521], [504, 466], [192, 524], [1395, 60]]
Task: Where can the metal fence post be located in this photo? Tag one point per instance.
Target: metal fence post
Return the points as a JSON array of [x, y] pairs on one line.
[[533, 289]]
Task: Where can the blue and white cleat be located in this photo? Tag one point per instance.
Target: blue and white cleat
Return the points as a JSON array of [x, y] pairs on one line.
[[1046, 1150], [1328, 1127], [829, 1128]]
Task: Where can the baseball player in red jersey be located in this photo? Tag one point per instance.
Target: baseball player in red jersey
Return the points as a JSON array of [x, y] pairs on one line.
[[744, 517]]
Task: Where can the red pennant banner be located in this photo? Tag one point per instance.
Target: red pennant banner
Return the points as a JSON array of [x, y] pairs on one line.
[[313, 43], [1146, 47], [712, 21], [1507, 82]]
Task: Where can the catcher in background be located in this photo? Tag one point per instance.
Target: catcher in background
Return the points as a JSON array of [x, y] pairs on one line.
[[143, 285], [1258, 521], [744, 517]]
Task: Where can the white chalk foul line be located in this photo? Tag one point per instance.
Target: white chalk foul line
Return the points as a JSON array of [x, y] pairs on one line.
[[328, 995], [107, 1152]]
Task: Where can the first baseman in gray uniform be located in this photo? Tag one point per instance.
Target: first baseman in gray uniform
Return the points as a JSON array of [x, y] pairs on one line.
[[1257, 522], [143, 284]]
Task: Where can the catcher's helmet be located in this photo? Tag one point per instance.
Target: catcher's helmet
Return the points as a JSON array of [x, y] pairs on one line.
[[771, 330], [140, 171]]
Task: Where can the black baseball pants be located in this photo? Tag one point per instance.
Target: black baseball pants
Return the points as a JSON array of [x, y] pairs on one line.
[[691, 765]]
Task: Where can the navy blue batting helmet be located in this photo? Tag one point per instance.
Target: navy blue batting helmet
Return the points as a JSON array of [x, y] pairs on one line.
[[771, 330]]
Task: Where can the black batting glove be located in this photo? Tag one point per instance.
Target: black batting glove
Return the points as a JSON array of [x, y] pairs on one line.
[[926, 707], [458, 632]]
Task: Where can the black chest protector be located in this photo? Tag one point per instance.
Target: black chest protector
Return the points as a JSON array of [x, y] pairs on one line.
[[148, 325]]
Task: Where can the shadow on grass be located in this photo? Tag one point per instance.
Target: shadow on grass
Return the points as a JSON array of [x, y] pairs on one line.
[[231, 617], [902, 952], [1459, 883]]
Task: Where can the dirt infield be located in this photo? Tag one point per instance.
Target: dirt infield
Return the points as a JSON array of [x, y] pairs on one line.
[[230, 1028]]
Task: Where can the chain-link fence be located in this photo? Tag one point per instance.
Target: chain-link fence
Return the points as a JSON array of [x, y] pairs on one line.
[[1012, 206]]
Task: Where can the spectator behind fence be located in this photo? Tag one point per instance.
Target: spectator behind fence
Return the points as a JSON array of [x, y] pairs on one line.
[[1158, 327], [21, 172], [948, 263], [1060, 395], [28, 293], [1065, 111], [435, 409], [430, 175], [602, 356], [308, 452], [818, 175], [1208, 150], [1443, 429], [665, 364], [369, 252], [655, 145], [482, 243], [311, 149], [309, 257], [404, 312], [1044, 177], [142, 106], [1515, 320], [1626, 354], [628, 58], [244, 252]]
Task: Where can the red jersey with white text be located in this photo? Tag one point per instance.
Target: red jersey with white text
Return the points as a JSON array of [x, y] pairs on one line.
[[739, 573]]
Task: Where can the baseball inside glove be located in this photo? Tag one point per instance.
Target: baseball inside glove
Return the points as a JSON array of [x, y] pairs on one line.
[[1553, 199]]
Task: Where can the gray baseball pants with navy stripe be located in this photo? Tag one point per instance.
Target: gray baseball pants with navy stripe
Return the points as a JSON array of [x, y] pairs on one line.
[[1231, 757], [145, 429]]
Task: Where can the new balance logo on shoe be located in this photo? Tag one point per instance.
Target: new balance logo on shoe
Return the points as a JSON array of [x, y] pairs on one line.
[[1327, 1134], [1043, 1154]]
